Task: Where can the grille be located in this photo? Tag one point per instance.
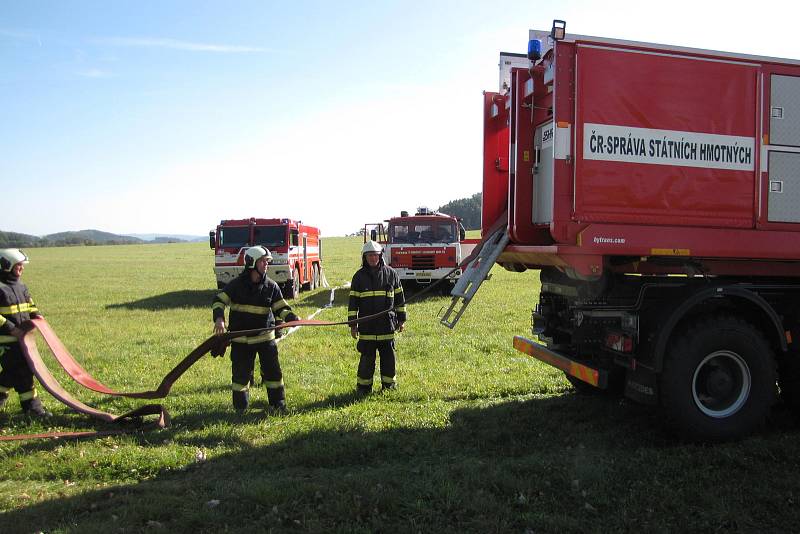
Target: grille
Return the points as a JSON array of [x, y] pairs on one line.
[[423, 261]]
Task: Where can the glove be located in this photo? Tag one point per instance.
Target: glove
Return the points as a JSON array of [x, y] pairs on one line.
[[219, 348], [292, 317]]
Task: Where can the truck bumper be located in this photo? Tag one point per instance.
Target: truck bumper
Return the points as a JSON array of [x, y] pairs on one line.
[[590, 375], [426, 276]]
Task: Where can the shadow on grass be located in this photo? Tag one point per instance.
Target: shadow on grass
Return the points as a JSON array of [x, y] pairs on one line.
[[514, 466], [187, 298]]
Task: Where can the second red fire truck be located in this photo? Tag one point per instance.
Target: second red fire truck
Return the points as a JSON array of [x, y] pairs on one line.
[[296, 251]]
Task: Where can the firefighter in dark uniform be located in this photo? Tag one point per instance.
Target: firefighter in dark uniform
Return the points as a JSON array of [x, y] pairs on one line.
[[376, 288], [254, 300], [16, 306]]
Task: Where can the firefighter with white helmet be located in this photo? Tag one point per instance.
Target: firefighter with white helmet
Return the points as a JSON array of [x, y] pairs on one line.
[[16, 306], [376, 288], [254, 300]]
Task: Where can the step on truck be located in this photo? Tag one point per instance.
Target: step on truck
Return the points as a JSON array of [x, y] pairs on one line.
[[423, 247], [657, 189], [296, 250]]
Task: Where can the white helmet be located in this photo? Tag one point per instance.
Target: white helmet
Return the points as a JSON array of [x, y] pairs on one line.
[[9, 257], [253, 254], [371, 246]]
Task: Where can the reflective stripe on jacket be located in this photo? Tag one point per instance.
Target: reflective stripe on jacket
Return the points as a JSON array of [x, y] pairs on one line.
[[252, 306], [373, 291]]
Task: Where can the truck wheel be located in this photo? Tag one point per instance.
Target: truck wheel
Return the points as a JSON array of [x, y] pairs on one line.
[[291, 288], [789, 381], [719, 379]]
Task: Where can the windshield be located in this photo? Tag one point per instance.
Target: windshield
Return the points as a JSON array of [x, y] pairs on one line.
[[428, 232], [234, 236], [269, 236]]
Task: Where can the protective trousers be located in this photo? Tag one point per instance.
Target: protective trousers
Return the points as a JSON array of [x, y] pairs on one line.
[[243, 358], [366, 365], [15, 372]]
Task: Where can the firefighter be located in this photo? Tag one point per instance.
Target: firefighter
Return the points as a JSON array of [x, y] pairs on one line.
[[16, 306], [376, 288], [254, 300]]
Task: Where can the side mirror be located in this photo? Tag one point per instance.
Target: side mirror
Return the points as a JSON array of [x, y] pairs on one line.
[[462, 233], [212, 239], [373, 234]]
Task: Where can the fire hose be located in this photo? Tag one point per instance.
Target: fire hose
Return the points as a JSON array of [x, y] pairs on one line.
[[215, 345]]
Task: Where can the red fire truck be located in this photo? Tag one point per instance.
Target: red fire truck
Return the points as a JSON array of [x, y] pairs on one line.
[[656, 189], [424, 247], [296, 251]]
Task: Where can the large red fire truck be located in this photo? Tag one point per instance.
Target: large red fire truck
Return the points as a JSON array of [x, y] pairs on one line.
[[296, 251], [424, 247], [656, 188]]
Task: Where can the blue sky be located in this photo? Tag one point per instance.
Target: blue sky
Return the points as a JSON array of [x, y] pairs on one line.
[[148, 116]]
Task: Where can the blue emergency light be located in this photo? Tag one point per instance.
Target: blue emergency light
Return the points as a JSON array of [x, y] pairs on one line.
[[534, 49]]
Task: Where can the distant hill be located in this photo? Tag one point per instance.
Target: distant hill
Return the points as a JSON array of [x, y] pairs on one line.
[[62, 239], [91, 237], [469, 209], [171, 238], [16, 240]]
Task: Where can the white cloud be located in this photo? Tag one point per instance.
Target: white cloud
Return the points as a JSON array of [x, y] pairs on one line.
[[174, 44], [94, 73]]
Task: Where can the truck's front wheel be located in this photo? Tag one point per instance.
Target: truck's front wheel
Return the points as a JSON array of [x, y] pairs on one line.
[[719, 380]]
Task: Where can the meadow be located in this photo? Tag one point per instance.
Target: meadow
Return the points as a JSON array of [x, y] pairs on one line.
[[478, 437]]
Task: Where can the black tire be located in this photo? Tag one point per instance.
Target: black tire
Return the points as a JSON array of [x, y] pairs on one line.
[[291, 288], [718, 381], [789, 381]]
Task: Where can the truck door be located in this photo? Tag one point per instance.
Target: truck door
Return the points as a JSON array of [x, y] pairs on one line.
[[543, 174], [784, 159]]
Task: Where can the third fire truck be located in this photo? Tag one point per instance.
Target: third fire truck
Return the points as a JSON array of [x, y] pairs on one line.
[[424, 247]]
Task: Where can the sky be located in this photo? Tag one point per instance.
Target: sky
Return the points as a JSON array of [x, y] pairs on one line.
[[167, 116]]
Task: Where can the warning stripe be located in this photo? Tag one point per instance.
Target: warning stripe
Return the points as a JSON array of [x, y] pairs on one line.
[[580, 371]]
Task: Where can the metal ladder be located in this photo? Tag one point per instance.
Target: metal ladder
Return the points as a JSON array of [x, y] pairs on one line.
[[474, 275]]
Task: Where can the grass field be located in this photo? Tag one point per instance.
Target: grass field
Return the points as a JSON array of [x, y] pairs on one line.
[[478, 438]]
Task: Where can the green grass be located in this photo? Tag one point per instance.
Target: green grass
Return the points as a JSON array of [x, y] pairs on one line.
[[479, 438]]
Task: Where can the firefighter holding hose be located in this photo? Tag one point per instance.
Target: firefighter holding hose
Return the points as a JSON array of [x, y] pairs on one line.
[[16, 306], [254, 300], [376, 288]]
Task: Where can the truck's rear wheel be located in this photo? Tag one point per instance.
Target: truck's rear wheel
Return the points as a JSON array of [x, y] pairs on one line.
[[291, 288], [719, 380]]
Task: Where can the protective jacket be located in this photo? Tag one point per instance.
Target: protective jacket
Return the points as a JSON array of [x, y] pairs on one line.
[[373, 291], [253, 305], [16, 306]]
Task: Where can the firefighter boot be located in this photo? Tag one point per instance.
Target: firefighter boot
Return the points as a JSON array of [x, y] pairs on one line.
[[35, 409], [277, 401], [388, 386], [241, 400], [363, 390]]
